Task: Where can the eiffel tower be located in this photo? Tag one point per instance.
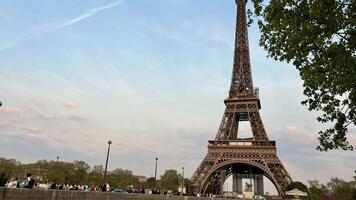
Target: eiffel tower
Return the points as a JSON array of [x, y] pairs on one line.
[[228, 155]]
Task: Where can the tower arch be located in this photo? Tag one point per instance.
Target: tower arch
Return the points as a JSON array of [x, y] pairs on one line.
[[226, 164]]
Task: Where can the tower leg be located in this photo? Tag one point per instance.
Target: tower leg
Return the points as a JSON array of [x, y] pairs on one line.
[[258, 184], [222, 180], [234, 182], [237, 183]]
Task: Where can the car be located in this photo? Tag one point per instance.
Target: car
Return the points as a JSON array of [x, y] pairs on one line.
[[118, 190]]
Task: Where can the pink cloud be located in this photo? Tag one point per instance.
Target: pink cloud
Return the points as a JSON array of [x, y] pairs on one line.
[[33, 133], [39, 102], [299, 136], [291, 129], [352, 139], [70, 105], [12, 110]]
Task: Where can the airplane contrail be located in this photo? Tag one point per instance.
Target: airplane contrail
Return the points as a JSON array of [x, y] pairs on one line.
[[86, 15]]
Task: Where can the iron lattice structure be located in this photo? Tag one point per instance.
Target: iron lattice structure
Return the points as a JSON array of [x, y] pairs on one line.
[[228, 151]]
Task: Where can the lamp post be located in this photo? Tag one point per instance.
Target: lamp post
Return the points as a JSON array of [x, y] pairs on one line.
[[156, 169], [182, 180], [57, 167], [107, 159]]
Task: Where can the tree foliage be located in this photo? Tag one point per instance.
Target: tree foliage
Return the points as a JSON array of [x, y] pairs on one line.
[[170, 180], [151, 183], [316, 190], [319, 38], [334, 189], [341, 189], [76, 173], [3, 179], [297, 185], [120, 178], [187, 182], [354, 194]]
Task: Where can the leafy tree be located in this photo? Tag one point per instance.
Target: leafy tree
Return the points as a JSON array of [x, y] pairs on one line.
[[187, 182], [80, 172], [77, 172], [341, 189], [41, 169], [325, 196], [9, 167], [319, 38], [334, 189], [95, 176], [97, 169], [122, 178], [3, 179], [354, 194], [297, 185], [316, 190], [151, 183], [170, 180], [51, 170]]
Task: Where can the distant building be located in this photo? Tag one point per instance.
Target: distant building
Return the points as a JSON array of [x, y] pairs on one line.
[[141, 178], [182, 190], [296, 194]]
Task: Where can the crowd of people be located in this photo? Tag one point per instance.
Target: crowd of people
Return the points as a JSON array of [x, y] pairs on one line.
[[64, 186], [30, 183]]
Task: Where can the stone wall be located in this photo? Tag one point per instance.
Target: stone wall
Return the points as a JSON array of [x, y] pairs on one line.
[[36, 194]]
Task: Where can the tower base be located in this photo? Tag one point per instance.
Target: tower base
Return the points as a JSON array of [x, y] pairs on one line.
[[241, 159]]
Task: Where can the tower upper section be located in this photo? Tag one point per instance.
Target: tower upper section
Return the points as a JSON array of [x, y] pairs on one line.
[[241, 80]]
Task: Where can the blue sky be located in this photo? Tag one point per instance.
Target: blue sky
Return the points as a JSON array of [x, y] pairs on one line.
[[149, 75]]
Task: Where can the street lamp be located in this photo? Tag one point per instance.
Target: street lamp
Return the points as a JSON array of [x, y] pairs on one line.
[[57, 169], [107, 158], [182, 179], [156, 169]]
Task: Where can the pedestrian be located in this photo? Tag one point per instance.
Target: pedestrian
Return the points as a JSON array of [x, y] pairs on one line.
[[30, 182], [12, 184], [93, 188], [53, 185], [108, 189]]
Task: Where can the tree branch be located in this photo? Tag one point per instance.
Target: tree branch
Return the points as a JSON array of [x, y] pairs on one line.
[[342, 36]]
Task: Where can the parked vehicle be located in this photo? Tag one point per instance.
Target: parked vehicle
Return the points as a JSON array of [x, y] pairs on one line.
[[118, 190]]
